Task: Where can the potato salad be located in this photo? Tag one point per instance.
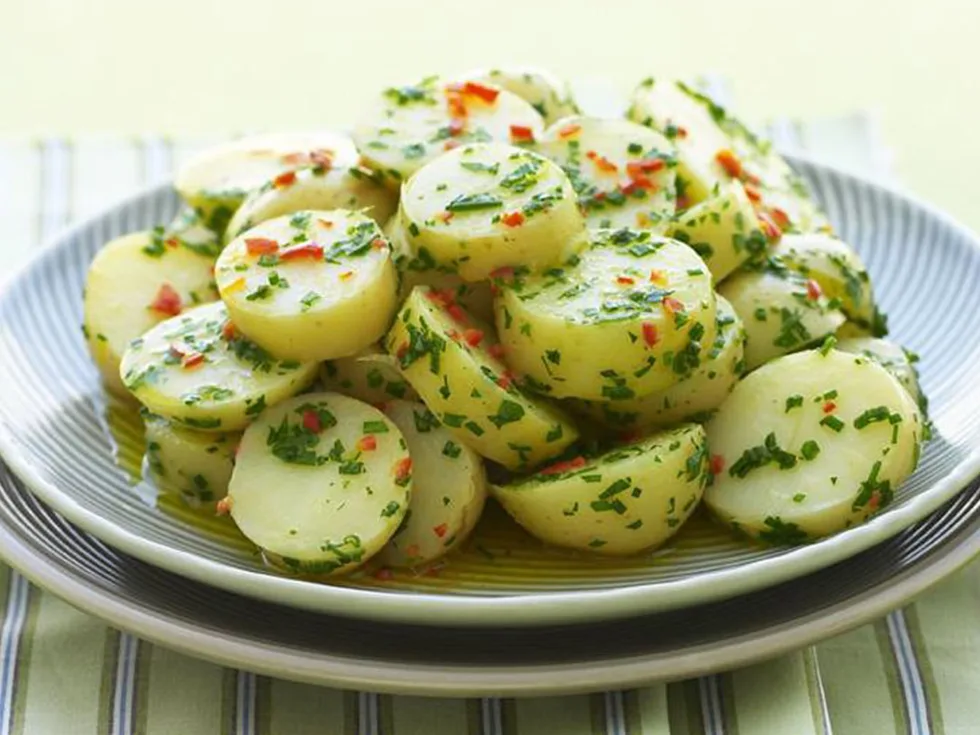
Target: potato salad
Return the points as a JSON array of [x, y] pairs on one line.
[[352, 343]]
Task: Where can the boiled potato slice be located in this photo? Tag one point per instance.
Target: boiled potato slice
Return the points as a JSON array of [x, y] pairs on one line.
[[310, 286], [133, 283], [189, 230], [894, 358], [782, 312], [417, 267], [723, 229], [355, 188], [629, 499], [372, 377], [409, 126], [545, 92], [449, 358], [449, 487], [486, 206], [631, 315], [622, 172], [692, 399], [811, 444], [196, 464], [218, 179], [321, 483], [836, 268], [199, 371]]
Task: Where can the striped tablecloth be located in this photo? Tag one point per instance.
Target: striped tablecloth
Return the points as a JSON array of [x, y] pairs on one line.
[[61, 671]]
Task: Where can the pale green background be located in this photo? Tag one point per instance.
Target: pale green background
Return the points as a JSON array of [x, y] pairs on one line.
[[178, 66]]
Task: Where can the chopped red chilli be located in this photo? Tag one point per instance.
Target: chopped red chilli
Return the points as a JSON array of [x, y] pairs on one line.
[[284, 180], [485, 93], [813, 291], [513, 219], [521, 133], [260, 246], [305, 250], [730, 162], [167, 301], [367, 443], [473, 337], [311, 421], [650, 335], [565, 466]]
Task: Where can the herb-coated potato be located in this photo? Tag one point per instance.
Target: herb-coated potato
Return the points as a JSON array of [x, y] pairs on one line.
[[894, 358], [629, 499], [545, 92], [310, 286], [371, 376], [809, 445]]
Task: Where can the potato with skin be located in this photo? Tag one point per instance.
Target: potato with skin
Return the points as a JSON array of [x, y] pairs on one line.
[[321, 483], [449, 488], [310, 286], [545, 92], [623, 173], [782, 312], [631, 315], [451, 360], [692, 399], [356, 188], [416, 267], [371, 376], [487, 206], [831, 437], [629, 499], [723, 229], [217, 180], [407, 127], [135, 282], [199, 371], [195, 464]]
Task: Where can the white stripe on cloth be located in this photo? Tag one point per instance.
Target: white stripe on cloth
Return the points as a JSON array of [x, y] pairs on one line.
[[18, 592], [615, 713], [916, 704], [821, 692], [712, 709]]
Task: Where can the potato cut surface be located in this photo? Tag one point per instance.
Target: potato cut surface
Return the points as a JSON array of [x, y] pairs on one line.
[[371, 376], [544, 91]]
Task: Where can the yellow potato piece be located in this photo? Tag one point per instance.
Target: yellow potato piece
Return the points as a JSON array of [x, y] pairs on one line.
[[782, 313], [322, 287], [449, 360], [406, 127], [355, 188], [217, 180], [449, 487], [893, 357], [195, 464], [200, 372], [630, 315], [486, 206], [371, 376], [321, 483], [123, 284], [544, 91], [809, 445], [629, 499], [622, 172]]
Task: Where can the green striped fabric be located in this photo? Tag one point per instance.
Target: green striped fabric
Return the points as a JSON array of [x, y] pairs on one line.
[[62, 671]]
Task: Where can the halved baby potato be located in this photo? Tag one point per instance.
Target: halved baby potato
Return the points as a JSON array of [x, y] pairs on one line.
[[692, 399], [355, 188], [629, 499], [545, 92], [195, 464], [723, 229], [631, 315], [622, 172], [782, 311], [321, 483], [893, 357], [452, 362], [449, 487], [830, 438], [487, 206], [310, 286], [135, 282], [189, 230], [199, 371], [371, 376], [406, 127]]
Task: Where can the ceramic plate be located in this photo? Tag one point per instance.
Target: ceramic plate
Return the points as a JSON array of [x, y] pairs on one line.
[[82, 457]]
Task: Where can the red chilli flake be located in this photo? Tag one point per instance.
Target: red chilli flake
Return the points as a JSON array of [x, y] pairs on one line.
[[521, 133], [672, 305], [384, 574], [683, 203], [284, 180], [311, 421], [473, 337], [769, 228], [504, 273], [829, 407], [487, 94], [457, 106], [513, 219], [402, 350], [567, 131], [310, 250], [779, 217], [558, 467], [505, 381], [752, 193], [625, 280], [874, 500], [440, 530], [601, 162], [260, 246], [657, 276], [228, 330], [730, 162], [650, 335], [637, 170], [403, 468], [444, 216], [191, 360], [223, 506], [456, 126], [813, 291], [367, 443], [457, 313], [496, 351], [322, 158], [171, 242], [167, 301], [717, 464], [379, 243]]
